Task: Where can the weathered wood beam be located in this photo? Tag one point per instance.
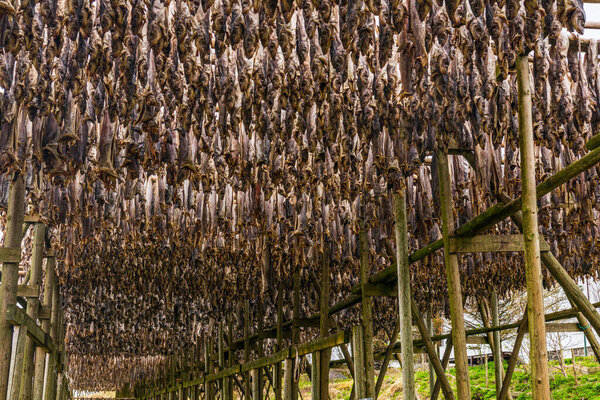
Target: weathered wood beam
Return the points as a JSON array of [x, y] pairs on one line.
[[367, 315], [589, 334], [453, 277], [33, 309], [10, 254], [562, 327], [570, 287], [514, 357], [533, 266], [491, 244], [359, 362], [430, 348], [386, 362], [10, 275], [496, 213], [445, 360], [324, 356], [404, 299]]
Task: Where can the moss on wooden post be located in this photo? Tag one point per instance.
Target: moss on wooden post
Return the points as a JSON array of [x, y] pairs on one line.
[[533, 266], [453, 276], [10, 275]]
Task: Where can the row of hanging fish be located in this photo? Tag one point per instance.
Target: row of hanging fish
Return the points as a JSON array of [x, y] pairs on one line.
[[189, 155]]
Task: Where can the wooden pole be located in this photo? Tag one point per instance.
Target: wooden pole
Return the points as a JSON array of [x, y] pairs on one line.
[[453, 276], [256, 385], [40, 354], [570, 287], [367, 316], [324, 355], [359, 361], [10, 275], [288, 377], [445, 359], [52, 376], [259, 343], [430, 349], [14, 387], [208, 392], [230, 358], [514, 357], [247, 387], [404, 295], [386, 360], [221, 350], [430, 331], [533, 266], [279, 344], [33, 303], [585, 326], [497, 348], [295, 327]]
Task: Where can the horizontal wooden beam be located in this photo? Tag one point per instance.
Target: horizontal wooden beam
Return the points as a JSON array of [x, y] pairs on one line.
[[32, 219], [236, 369], [491, 243], [10, 254], [477, 339], [560, 327], [328, 342], [485, 220], [17, 317], [27, 290], [325, 343]]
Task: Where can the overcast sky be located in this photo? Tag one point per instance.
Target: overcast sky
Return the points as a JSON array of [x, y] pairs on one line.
[[592, 13]]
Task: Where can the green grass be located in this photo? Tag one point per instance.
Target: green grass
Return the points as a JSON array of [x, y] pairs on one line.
[[562, 387]]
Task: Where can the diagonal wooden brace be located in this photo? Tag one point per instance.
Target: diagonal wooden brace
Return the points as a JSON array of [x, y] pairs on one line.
[[430, 348]]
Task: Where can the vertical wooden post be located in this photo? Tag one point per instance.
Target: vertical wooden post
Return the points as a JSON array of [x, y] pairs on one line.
[[359, 361], [404, 295], [247, 345], [277, 371], [459, 337], [20, 334], [288, 379], [40, 354], [208, 393], [221, 350], [431, 371], [259, 344], [10, 275], [324, 355], [33, 304], [256, 385], [533, 266], [52, 376], [498, 367], [315, 372], [367, 317], [295, 327], [230, 359]]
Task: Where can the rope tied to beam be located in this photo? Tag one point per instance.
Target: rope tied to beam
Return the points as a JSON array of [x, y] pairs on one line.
[[583, 328]]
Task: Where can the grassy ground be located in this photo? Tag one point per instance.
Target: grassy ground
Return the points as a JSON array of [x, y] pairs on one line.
[[585, 387]]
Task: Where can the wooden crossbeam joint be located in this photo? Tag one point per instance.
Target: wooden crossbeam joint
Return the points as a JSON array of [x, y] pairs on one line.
[[10, 255]]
